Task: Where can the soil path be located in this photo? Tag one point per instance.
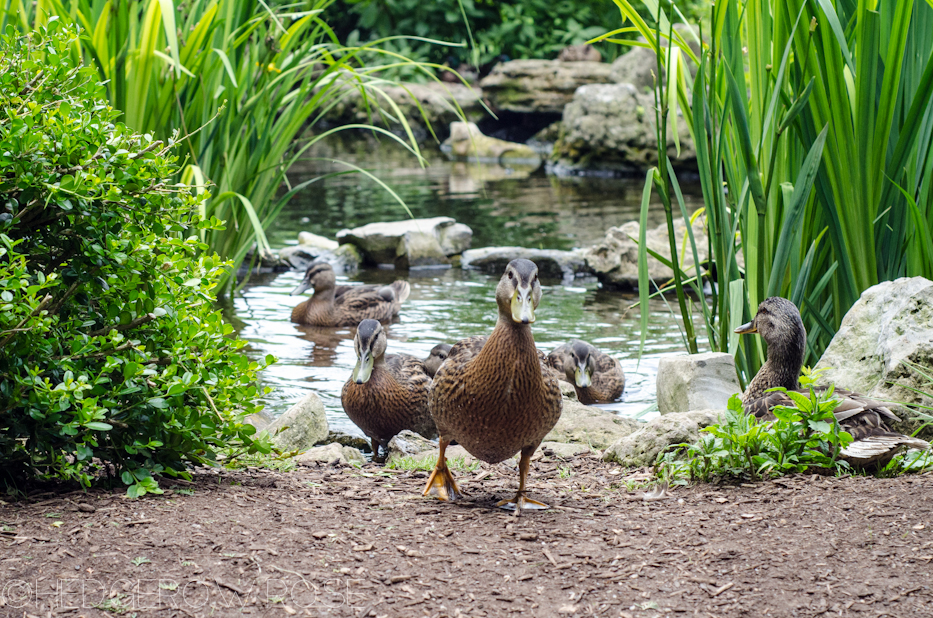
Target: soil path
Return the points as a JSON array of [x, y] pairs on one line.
[[351, 543]]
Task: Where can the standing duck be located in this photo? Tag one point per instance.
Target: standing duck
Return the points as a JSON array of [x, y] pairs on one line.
[[386, 394], [779, 324], [334, 305], [436, 358], [597, 377], [494, 395]]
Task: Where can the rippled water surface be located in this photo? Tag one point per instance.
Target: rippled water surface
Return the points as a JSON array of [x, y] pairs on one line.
[[504, 207]]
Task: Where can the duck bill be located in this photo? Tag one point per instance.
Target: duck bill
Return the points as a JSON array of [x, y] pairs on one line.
[[304, 285], [363, 368], [582, 378], [747, 329], [523, 310]]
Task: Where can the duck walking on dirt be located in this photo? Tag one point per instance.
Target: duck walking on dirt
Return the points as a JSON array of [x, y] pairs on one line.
[[596, 377], [495, 395], [334, 305], [779, 324], [386, 394]]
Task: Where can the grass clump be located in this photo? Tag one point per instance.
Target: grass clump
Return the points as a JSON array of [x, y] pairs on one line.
[[427, 462]]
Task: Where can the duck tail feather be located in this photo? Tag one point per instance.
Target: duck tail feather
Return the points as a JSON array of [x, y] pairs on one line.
[[402, 290], [873, 446]]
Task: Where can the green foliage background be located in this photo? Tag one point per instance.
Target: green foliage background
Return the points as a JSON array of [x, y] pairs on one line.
[[112, 356]]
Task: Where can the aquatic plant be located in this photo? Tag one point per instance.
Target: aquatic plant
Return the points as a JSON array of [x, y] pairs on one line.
[[814, 136]]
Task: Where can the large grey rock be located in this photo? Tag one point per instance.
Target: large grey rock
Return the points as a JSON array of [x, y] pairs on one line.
[[890, 324], [330, 453], [638, 67], [378, 242], [641, 448], [612, 127], [538, 86], [409, 444], [307, 239], [696, 382], [302, 426], [551, 263], [419, 250], [345, 439], [595, 427], [455, 239], [466, 141], [615, 258], [300, 257]]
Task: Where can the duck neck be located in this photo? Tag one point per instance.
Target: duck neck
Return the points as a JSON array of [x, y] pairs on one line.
[[510, 339], [324, 295], [782, 369]]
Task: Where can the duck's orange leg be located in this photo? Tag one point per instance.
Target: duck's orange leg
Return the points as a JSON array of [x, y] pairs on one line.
[[441, 483], [520, 501]]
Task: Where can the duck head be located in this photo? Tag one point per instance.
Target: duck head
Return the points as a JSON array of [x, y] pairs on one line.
[[779, 324], [436, 358], [370, 345], [580, 365], [318, 276], [519, 292]]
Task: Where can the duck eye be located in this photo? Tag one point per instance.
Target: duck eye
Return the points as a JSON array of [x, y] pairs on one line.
[[510, 274]]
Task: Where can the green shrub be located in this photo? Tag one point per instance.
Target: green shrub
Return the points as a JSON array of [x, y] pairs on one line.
[[112, 356]]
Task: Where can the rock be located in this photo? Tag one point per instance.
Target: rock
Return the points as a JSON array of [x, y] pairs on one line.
[[346, 260], [378, 242], [330, 453], [612, 127], [891, 323], [535, 86], [307, 239], [641, 448], [559, 449], [615, 259], [468, 142], [345, 439], [300, 257], [638, 67], [595, 427], [302, 426], [455, 239], [567, 390], [580, 53], [552, 263], [696, 382], [409, 444], [258, 420], [453, 453], [419, 250]]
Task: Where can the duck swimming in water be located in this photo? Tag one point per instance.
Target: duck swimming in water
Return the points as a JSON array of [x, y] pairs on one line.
[[779, 324], [334, 305], [596, 377], [436, 358], [495, 395]]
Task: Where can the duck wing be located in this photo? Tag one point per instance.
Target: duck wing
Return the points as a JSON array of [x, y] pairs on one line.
[[412, 376], [354, 308]]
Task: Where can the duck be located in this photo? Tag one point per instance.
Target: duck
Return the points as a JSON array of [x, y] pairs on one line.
[[868, 421], [334, 305], [436, 358], [495, 394], [596, 377], [386, 394]]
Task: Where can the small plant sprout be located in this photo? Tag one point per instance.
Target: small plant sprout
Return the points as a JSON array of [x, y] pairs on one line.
[[140, 560]]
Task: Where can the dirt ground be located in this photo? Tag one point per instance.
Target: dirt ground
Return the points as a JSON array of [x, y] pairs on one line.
[[347, 542]]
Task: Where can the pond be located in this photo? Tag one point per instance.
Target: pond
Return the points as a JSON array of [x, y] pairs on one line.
[[504, 207]]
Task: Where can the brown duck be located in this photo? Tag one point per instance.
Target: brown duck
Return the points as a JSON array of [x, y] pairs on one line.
[[779, 324], [386, 394], [494, 395], [334, 305], [597, 377], [436, 358]]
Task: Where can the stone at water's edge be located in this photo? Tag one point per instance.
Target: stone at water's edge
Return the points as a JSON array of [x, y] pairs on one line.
[[642, 447], [409, 444], [419, 249], [301, 427], [696, 382], [595, 427], [345, 439], [891, 323], [307, 239], [467, 141], [539, 86], [379, 242], [330, 453], [614, 260], [345, 259], [551, 263]]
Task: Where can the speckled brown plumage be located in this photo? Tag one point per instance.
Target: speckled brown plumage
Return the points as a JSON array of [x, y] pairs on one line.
[[779, 324], [606, 375], [395, 395], [351, 306], [436, 358]]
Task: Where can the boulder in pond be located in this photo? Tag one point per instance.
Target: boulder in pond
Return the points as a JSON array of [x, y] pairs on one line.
[[378, 242], [595, 427], [641, 448], [539, 86], [330, 453], [580, 53], [889, 327], [614, 260], [345, 439], [455, 239], [551, 263], [302, 426], [419, 250], [466, 141], [307, 239], [611, 127], [696, 382]]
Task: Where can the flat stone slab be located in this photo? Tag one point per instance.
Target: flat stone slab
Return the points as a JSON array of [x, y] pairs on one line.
[[379, 242], [551, 263]]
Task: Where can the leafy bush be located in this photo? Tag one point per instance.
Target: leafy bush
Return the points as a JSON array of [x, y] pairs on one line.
[[800, 439], [111, 354]]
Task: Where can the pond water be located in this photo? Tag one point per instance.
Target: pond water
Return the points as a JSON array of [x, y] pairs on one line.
[[504, 207]]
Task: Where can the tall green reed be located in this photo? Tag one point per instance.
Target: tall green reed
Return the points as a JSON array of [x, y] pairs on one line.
[[237, 83], [814, 136]]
